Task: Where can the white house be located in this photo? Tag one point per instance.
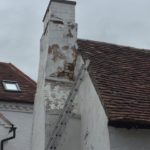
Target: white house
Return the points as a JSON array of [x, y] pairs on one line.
[[16, 108]]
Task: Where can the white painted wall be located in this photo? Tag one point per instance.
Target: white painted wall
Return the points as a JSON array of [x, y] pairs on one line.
[[60, 9], [94, 130], [3, 130], [23, 122], [71, 138], [129, 139]]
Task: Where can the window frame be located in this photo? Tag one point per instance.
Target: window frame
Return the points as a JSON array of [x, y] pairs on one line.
[[4, 82]]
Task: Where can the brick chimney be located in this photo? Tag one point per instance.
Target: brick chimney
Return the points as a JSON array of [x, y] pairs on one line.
[[58, 54]]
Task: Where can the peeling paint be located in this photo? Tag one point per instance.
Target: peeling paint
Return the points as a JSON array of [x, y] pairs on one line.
[[66, 47], [62, 52], [56, 52], [68, 71], [55, 95]]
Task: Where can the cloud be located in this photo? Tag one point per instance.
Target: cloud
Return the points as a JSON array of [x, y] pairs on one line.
[[21, 28], [118, 21]]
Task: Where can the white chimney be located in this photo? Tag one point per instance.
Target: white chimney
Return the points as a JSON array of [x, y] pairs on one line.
[[60, 30], [58, 54]]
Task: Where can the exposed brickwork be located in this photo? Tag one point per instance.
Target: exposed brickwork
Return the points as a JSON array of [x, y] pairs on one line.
[[122, 78], [28, 86]]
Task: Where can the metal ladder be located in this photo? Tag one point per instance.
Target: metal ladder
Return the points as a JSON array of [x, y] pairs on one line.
[[67, 110]]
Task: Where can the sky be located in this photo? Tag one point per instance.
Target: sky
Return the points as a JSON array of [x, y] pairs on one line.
[[124, 22]]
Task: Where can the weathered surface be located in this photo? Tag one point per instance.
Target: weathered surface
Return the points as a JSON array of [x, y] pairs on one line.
[[62, 51], [56, 94]]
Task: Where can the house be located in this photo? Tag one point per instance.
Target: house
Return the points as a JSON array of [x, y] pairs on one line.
[[110, 110], [16, 108]]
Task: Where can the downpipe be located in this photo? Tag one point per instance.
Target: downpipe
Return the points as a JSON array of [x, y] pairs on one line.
[[12, 130]]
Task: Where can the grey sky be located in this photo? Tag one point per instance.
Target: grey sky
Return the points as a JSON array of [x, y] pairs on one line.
[[117, 21]]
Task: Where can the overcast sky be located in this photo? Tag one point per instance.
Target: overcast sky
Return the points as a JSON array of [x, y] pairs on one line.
[[125, 22]]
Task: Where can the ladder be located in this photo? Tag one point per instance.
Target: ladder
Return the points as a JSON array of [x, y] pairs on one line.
[[67, 110]]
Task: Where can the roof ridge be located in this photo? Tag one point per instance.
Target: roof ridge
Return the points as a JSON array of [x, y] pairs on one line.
[[4, 63], [119, 45], [22, 74]]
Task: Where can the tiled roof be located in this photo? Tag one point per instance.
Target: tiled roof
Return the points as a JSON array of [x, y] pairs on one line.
[[27, 85], [121, 76]]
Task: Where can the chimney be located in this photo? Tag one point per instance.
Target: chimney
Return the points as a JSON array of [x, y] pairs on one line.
[[60, 30], [58, 55]]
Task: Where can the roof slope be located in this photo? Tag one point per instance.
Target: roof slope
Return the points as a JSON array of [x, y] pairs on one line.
[[121, 76], [27, 85]]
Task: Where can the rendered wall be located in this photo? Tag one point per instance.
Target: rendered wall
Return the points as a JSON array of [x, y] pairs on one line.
[[71, 137], [23, 122], [129, 139], [94, 130]]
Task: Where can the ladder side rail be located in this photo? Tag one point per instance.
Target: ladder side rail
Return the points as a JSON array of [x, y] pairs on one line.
[[54, 143], [69, 97]]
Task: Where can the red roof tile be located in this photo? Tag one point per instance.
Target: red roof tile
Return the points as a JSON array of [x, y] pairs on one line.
[[121, 76], [27, 85]]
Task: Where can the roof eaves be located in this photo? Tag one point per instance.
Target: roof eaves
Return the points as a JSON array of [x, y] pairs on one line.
[[129, 124]]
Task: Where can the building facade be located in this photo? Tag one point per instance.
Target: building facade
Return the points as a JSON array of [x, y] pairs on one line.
[[16, 108]]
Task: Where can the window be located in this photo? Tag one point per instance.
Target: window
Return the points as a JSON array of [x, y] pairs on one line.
[[11, 86]]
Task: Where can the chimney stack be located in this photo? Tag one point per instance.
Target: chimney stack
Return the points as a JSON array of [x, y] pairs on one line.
[[61, 32], [58, 55]]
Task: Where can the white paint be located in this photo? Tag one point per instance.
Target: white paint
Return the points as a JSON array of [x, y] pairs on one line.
[[71, 138], [38, 142], [23, 122], [133, 139], [67, 12], [94, 129]]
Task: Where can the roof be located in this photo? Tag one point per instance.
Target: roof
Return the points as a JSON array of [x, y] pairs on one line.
[[27, 85], [121, 76]]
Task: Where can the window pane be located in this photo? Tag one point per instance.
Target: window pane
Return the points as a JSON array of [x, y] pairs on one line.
[[11, 86]]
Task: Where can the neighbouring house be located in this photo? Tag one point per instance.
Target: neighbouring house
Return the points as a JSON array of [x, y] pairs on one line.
[[16, 108]]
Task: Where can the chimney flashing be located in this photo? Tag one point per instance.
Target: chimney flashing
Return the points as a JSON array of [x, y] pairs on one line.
[[58, 1]]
